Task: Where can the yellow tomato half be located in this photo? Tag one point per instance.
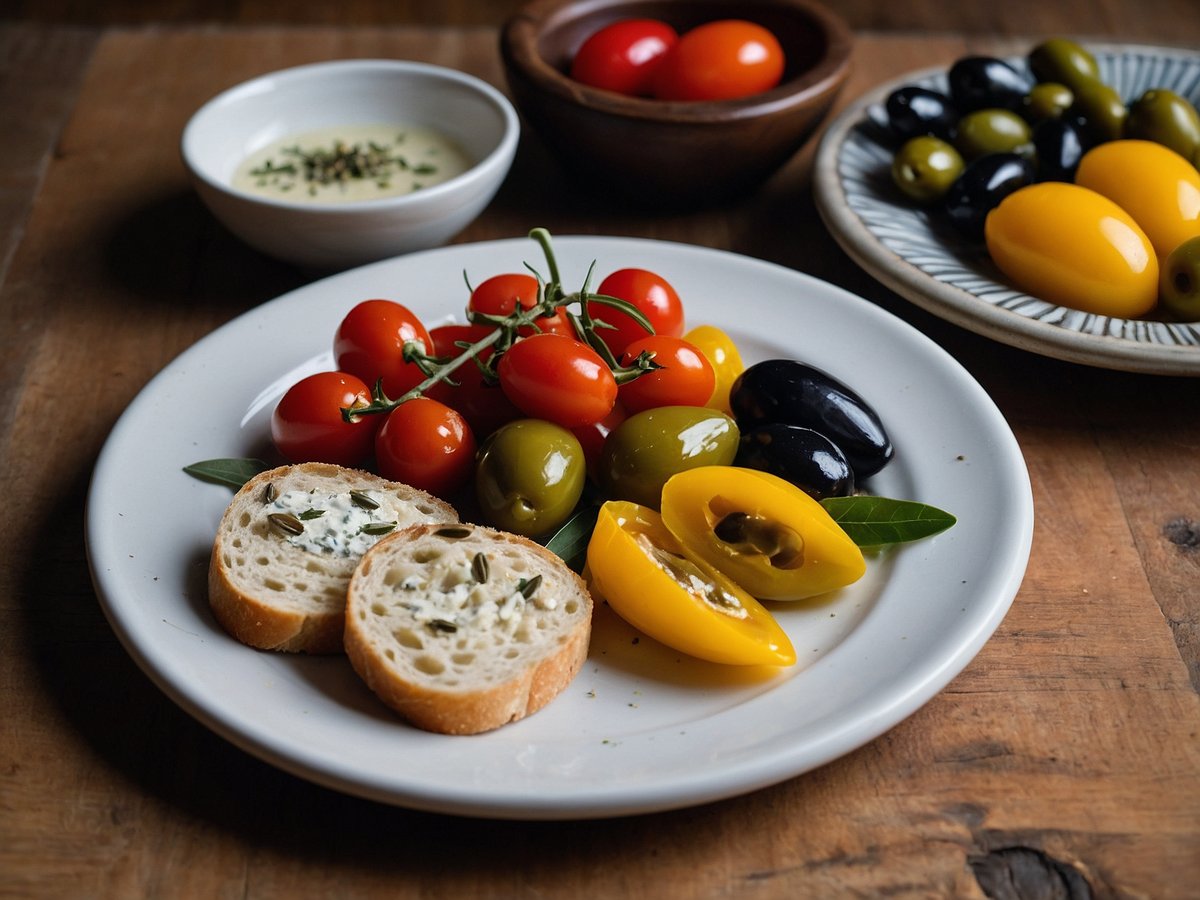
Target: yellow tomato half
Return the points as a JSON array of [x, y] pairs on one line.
[[722, 354], [1154, 184], [763, 532], [1069, 245], [640, 569]]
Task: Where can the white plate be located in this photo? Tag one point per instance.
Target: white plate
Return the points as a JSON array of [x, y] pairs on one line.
[[918, 255], [641, 728]]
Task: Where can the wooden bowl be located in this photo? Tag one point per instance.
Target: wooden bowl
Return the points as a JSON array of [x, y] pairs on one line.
[[692, 153]]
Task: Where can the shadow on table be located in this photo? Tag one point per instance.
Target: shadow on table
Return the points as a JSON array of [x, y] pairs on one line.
[[157, 759], [171, 250]]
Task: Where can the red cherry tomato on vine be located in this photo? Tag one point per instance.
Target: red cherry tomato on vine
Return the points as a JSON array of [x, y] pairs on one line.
[[427, 445], [557, 378], [686, 377], [482, 403], [651, 294], [500, 294], [445, 339], [369, 343], [623, 56], [307, 424], [720, 61], [592, 437]]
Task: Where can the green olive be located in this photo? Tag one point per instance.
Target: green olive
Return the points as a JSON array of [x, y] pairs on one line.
[[1048, 100], [1064, 62], [1166, 118], [1101, 108], [529, 476], [925, 167], [1179, 281], [993, 131], [651, 446]]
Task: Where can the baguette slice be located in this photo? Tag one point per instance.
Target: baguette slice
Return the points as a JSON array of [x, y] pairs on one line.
[[451, 643], [276, 590]]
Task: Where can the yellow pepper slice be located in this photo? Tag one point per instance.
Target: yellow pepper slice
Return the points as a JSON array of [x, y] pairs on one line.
[[722, 354], [640, 569], [764, 533]]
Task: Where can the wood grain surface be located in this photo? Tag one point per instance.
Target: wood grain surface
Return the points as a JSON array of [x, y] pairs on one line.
[[1063, 762]]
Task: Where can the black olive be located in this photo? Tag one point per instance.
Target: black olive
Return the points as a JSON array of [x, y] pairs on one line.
[[913, 111], [981, 82], [806, 458], [980, 188], [1060, 145], [792, 393]]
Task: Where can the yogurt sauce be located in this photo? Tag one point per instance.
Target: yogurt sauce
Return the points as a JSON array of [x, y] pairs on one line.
[[347, 164]]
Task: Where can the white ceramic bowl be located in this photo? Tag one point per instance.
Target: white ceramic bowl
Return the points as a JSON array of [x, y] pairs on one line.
[[270, 108]]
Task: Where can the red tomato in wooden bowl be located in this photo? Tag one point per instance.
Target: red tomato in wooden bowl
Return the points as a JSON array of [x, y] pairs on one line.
[[624, 56]]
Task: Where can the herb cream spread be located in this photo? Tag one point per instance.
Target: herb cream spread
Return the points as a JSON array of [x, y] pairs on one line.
[[351, 164], [334, 524]]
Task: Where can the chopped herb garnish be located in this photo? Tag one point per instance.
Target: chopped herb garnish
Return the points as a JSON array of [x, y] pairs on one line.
[[337, 164]]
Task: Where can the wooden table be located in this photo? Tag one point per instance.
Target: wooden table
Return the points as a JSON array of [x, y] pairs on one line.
[[1064, 762]]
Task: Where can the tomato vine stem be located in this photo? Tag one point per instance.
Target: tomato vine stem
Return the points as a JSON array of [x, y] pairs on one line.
[[551, 297]]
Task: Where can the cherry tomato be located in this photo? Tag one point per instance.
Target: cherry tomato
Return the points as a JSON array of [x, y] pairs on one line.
[[686, 377], [482, 403], [592, 437], [720, 61], [500, 294], [369, 344], [722, 354], [426, 444], [307, 425], [623, 56], [557, 378], [651, 294], [445, 339]]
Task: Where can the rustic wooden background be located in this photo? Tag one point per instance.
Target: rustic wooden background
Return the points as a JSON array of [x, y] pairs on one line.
[[1177, 21]]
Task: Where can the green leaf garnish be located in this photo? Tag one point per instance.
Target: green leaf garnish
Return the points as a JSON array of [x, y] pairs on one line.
[[232, 472], [876, 521], [570, 542]]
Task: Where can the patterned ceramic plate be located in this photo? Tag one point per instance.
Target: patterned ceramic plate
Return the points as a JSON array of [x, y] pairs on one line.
[[919, 256]]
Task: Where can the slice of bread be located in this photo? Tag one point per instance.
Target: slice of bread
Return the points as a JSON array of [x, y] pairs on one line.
[[462, 629], [288, 543]]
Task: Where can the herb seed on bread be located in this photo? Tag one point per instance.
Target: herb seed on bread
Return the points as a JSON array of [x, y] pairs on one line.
[[288, 543], [462, 629]]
